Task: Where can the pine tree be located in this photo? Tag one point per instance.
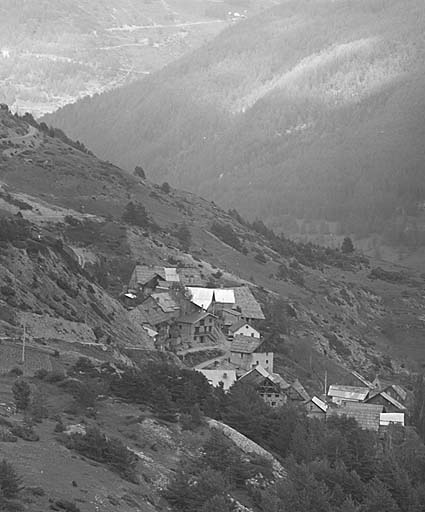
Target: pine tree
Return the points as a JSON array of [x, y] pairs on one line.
[[21, 394], [184, 236], [163, 405], [347, 245], [10, 482]]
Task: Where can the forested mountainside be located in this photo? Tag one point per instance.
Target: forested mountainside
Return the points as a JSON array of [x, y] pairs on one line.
[[94, 418], [52, 53], [309, 115]]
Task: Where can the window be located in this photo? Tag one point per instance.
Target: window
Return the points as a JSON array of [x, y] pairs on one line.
[[252, 335], [202, 322], [196, 330], [267, 361], [202, 339], [269, 396], [273, 404]]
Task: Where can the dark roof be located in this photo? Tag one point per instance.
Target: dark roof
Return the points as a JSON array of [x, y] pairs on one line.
[[166, 302], [366, 415], [143, 274], [299, 388], [245, 344], [245, 300], [191, 276], [194, 318], [387, 398]]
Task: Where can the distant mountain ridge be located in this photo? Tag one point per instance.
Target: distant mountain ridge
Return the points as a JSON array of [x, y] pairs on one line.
[[52, 53], [311, 111]]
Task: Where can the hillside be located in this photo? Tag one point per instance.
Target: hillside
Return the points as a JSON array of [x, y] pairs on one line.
[[343, 310], [52, 53], [309, 116]]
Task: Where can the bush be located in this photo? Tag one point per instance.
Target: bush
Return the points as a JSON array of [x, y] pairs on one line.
[[165, 187], [54, 376], [21, 394], [16, 371], [25, 432], [41, 374], [67, 506], [111, 451], [6, 436], [10, 482], [136, 214], [226, 234]]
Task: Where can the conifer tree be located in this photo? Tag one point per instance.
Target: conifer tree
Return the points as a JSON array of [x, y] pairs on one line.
[[21, 394]]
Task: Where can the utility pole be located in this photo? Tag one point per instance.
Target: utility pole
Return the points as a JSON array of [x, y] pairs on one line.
[[23, 343]]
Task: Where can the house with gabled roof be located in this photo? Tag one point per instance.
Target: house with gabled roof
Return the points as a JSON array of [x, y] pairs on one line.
[[270, 386], [243, 328], [340, 394], [217, 300], [144, 280], [245, 354], [394, 390], [198, 328], [386, 400]]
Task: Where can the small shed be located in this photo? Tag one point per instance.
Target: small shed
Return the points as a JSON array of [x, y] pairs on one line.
[[316, 408]]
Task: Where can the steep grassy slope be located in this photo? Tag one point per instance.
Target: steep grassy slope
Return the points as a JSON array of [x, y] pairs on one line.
[[52, 53], [309, 115], [339, 315]]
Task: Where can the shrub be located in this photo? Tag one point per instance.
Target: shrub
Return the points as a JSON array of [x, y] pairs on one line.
[[25, 432], [10, 482], [16, 371], [136, 214], [21, 394], [67, 506], [226, 234], [6, 436], [96, 446], [165, 187], [41, 374]]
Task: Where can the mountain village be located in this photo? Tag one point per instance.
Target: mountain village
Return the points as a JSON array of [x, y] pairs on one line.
[[185, 316]]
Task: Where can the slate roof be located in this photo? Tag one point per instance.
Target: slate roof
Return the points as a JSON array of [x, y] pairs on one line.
[[348, 392], [257, 375], [143, 274], [366, 415], [166, 302], [245, 344], [388, 398], [383, 385], [138, 315], [241, 297], [245, 300], [194, 318], [191, 276], [299, 388]]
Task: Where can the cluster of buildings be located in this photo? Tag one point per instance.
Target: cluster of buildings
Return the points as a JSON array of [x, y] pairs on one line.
[[183, 314], [177, 308], [374, 405]]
